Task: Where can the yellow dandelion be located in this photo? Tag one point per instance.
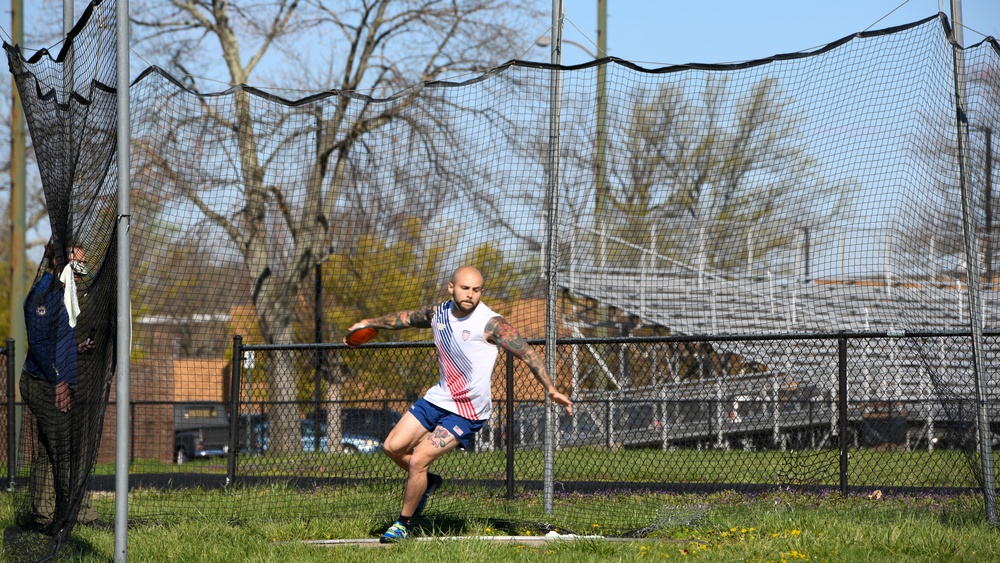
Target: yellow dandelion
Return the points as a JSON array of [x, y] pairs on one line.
[[744, 530], [732, 529], [796, 532], [724, 534]]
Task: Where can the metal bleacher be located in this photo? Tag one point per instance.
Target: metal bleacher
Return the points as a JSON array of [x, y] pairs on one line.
[[919, 376]]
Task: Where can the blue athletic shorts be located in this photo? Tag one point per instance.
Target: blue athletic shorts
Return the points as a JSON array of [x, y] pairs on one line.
[[432, 416]]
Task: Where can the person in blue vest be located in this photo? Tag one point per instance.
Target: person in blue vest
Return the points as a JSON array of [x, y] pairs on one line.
[[47, 384]]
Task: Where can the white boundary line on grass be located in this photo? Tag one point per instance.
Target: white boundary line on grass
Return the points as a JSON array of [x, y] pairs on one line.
[[374, 542]]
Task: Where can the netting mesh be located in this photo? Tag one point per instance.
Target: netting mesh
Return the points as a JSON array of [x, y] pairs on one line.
[[718, 227], [70, 340]]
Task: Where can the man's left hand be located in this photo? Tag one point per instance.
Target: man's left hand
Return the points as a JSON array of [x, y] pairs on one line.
[[561, 399]]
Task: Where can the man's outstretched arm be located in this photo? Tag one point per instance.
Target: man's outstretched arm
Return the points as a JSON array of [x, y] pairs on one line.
[[499, 331], [415, 318]]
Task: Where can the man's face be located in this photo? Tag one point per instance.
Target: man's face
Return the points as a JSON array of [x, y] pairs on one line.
[[466, 288]]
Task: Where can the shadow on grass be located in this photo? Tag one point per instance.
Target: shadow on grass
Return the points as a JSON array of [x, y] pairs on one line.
[[961, 519], [30, 545], [443, 525]]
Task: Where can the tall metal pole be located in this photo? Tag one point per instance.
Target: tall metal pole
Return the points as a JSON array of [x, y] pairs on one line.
[[123, 303], [988, 200], [972, 258], [18, 199], [67, 16], [552, 254], [601, 186], [69, 63]]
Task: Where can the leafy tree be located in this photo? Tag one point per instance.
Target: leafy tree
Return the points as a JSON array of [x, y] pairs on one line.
[[390, 269]]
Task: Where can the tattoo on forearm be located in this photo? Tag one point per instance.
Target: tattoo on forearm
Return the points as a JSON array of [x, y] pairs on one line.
[[417, 318], [511, 340]]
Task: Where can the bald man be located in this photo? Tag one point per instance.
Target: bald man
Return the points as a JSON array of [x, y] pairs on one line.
[[467, 334]]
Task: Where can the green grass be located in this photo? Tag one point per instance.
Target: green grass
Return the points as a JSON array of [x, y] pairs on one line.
[[780, 526], [941, 468]]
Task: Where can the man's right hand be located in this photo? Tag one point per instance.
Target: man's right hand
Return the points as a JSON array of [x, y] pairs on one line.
[[85, 346], [63, 400]]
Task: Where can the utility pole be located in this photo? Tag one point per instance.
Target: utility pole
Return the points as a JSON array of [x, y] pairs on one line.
[[601, 187], [975, 282], [18, 198]]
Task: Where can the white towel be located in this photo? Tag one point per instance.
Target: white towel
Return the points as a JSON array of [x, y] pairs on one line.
[[69, 295]]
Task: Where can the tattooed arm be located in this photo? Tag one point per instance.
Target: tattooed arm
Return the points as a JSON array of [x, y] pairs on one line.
[[416, 318], [500, 332]]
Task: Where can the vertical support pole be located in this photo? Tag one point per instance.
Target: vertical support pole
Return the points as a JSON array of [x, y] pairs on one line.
[[510, 425], [234, 409], [123, 339], [131, 431], [552, 254], [320, 361], [10, 352], [974, 281], [18, 204], [988, 201], [601, 185], [842, 409]]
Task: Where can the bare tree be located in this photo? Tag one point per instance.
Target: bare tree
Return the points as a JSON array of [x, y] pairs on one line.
[[282, 229], [934, 237], [694, 177]]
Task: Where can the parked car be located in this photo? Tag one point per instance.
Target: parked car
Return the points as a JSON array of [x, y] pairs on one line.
[[201, 430], [580, 429], [363, 430]]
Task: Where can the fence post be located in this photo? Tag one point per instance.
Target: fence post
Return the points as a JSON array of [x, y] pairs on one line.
[[131, 431], [842, 408], [510, 425], [11, 418], [320, 361], [234, 408]]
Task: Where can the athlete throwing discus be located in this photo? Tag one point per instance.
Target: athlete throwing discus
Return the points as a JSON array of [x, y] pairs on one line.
[[467, 334]]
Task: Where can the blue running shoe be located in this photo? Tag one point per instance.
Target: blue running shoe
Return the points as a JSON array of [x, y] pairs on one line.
[[433, 483], [396, 532]]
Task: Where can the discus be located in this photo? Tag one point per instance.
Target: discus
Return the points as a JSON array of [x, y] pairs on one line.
[[359, 336]]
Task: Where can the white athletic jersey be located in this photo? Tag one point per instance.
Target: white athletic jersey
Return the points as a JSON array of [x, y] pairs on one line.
[[466, 361]]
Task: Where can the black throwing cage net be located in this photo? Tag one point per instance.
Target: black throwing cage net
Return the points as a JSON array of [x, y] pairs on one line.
[[70, 309], [761, 266]]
